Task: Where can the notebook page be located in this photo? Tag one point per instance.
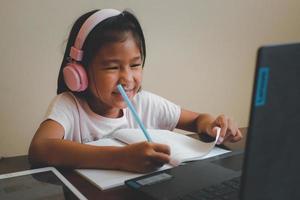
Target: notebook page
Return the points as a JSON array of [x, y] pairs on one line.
[[183, 148], [106, 179]]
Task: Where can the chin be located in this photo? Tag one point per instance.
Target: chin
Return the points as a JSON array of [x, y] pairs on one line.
[[120, 105]]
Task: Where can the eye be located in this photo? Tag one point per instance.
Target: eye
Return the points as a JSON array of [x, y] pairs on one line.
[[111, 68], [136, 65]]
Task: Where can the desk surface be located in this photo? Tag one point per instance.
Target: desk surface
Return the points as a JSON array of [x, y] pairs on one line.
[[18, 163]]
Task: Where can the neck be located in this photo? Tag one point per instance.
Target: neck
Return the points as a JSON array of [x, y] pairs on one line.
[[104, 110]]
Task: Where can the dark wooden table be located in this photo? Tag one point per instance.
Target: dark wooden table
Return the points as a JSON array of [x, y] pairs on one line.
[[18, 163]]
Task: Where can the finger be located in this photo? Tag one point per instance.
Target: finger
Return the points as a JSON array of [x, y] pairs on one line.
[[158, 164], [231, 132], [232, 138], [223, 122], [161, 148], [232, 128], [160, 157], [237, 137], [150, 166], [229, 138]]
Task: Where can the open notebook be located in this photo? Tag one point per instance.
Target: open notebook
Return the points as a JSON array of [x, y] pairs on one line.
[[183, 149]]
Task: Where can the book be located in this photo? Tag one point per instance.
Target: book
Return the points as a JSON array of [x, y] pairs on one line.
[[183, 149]]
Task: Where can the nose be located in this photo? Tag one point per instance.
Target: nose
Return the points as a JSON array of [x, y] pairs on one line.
[[126, 76]]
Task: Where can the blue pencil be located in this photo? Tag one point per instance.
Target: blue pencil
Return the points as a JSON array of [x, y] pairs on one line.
[[136, 117]]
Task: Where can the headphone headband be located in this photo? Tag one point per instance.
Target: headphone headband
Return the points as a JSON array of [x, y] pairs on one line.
[[76, 53]]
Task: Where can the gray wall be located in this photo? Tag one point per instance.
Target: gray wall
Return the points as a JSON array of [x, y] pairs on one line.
[[201, 54]]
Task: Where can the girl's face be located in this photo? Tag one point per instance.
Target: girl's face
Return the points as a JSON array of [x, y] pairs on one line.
[[115, 63]]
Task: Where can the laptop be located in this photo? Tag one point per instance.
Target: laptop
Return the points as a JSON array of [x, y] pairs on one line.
[[270, 166]]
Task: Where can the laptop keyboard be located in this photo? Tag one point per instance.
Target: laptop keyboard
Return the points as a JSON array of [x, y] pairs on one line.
[[227, 190]]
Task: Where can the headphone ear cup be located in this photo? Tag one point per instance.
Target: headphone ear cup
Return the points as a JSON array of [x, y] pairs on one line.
[[75, 77]]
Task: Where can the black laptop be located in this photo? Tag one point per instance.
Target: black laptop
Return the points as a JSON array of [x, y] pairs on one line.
[[270, 167]]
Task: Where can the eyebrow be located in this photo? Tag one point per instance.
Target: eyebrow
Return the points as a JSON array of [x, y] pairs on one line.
[[136, 58], [115, 60]]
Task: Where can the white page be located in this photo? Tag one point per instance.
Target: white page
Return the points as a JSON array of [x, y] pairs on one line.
[[106, 179], [183, 148]]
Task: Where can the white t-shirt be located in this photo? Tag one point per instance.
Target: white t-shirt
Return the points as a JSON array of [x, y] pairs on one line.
[[82, 125]]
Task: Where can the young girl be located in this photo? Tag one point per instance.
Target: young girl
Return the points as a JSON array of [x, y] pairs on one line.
[[106, 48]]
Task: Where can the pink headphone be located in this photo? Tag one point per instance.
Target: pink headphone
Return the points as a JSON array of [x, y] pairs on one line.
[[75, 75]]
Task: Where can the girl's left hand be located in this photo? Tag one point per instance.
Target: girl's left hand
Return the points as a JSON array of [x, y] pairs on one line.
[[229, 130]]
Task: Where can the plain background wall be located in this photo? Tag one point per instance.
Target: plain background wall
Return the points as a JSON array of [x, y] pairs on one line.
[[201, 54]]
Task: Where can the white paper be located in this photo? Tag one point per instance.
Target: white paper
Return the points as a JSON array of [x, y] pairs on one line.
[[105, 179], [183, 148]]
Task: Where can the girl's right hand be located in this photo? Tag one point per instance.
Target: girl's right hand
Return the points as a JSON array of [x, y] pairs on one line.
[[143, 157]]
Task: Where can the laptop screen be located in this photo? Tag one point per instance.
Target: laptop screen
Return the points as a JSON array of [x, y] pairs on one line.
[[272, 161]]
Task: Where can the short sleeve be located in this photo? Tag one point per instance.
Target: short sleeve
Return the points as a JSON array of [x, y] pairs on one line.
[[157, 112], [168, 113], [61, 110]]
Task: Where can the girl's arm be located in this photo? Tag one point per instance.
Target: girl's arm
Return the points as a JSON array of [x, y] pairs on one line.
[[49, 148], [205, 123]]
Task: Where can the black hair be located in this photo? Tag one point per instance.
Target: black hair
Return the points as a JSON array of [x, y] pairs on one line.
[[113, 29]]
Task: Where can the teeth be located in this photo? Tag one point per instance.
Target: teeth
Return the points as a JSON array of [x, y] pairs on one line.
[[128, 90]]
